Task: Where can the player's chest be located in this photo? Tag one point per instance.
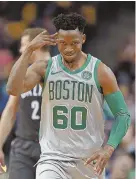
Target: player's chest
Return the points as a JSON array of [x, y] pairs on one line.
[[70, 89]]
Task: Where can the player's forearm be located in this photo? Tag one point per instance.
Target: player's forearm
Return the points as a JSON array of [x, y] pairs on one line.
[[6, 124], [18, 73], [122, 118]]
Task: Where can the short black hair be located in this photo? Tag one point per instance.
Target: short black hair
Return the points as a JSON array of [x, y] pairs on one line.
[[69, 22]]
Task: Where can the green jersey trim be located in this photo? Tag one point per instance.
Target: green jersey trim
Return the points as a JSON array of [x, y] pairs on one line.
[[96, 75], [47, 72], [75, 71]]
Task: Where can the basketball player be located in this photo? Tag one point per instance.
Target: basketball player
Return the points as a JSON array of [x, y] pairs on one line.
[[75, 84], [25, 150]]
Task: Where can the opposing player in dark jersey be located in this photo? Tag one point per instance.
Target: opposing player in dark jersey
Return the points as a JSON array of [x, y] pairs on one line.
[[25, 149]]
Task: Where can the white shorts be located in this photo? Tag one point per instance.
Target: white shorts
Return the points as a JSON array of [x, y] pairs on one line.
[[51, 169]]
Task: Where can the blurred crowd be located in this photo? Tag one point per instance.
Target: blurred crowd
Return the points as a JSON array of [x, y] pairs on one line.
[[16, 16], [122, 163]]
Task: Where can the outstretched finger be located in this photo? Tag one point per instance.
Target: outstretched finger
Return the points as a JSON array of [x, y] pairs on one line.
[[50, 43], [44, 32], [100, 166], [100, 171], [54, 35], [48, 39]]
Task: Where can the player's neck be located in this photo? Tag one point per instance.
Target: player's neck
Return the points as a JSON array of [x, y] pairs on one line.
[[77, 63]]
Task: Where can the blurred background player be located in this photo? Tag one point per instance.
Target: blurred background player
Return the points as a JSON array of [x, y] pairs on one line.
[[25, 150]]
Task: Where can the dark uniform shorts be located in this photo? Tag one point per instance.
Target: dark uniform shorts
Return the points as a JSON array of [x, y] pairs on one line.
[[23, 156]]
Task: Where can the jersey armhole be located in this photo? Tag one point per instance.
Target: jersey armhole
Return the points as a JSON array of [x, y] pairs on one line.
[[96, 76], [47, 73]]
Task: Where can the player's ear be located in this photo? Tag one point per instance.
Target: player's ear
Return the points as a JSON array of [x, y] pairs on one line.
[[83, 38]]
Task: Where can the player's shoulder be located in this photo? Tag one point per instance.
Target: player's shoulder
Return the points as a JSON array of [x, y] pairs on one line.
[[93, 57], [103, 71], [95, 61], [101, 65], [105, 74]]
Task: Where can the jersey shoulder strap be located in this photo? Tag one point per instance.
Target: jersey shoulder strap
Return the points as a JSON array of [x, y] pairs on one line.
[[93, 68]]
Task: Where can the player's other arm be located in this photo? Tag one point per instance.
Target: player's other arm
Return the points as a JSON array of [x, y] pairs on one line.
[[7, 121], [116, 102]]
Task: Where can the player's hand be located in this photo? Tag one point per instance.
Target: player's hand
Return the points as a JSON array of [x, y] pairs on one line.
[[2, 163], [100, 158], [41, 40]]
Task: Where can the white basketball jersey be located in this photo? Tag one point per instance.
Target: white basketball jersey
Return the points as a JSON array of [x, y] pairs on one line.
[[72, 124]]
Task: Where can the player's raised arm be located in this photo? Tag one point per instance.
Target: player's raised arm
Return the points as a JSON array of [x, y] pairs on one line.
[[116, 102], [22, 78]]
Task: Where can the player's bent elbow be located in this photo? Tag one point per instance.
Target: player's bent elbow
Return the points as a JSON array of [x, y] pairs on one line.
[[12, 92]]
